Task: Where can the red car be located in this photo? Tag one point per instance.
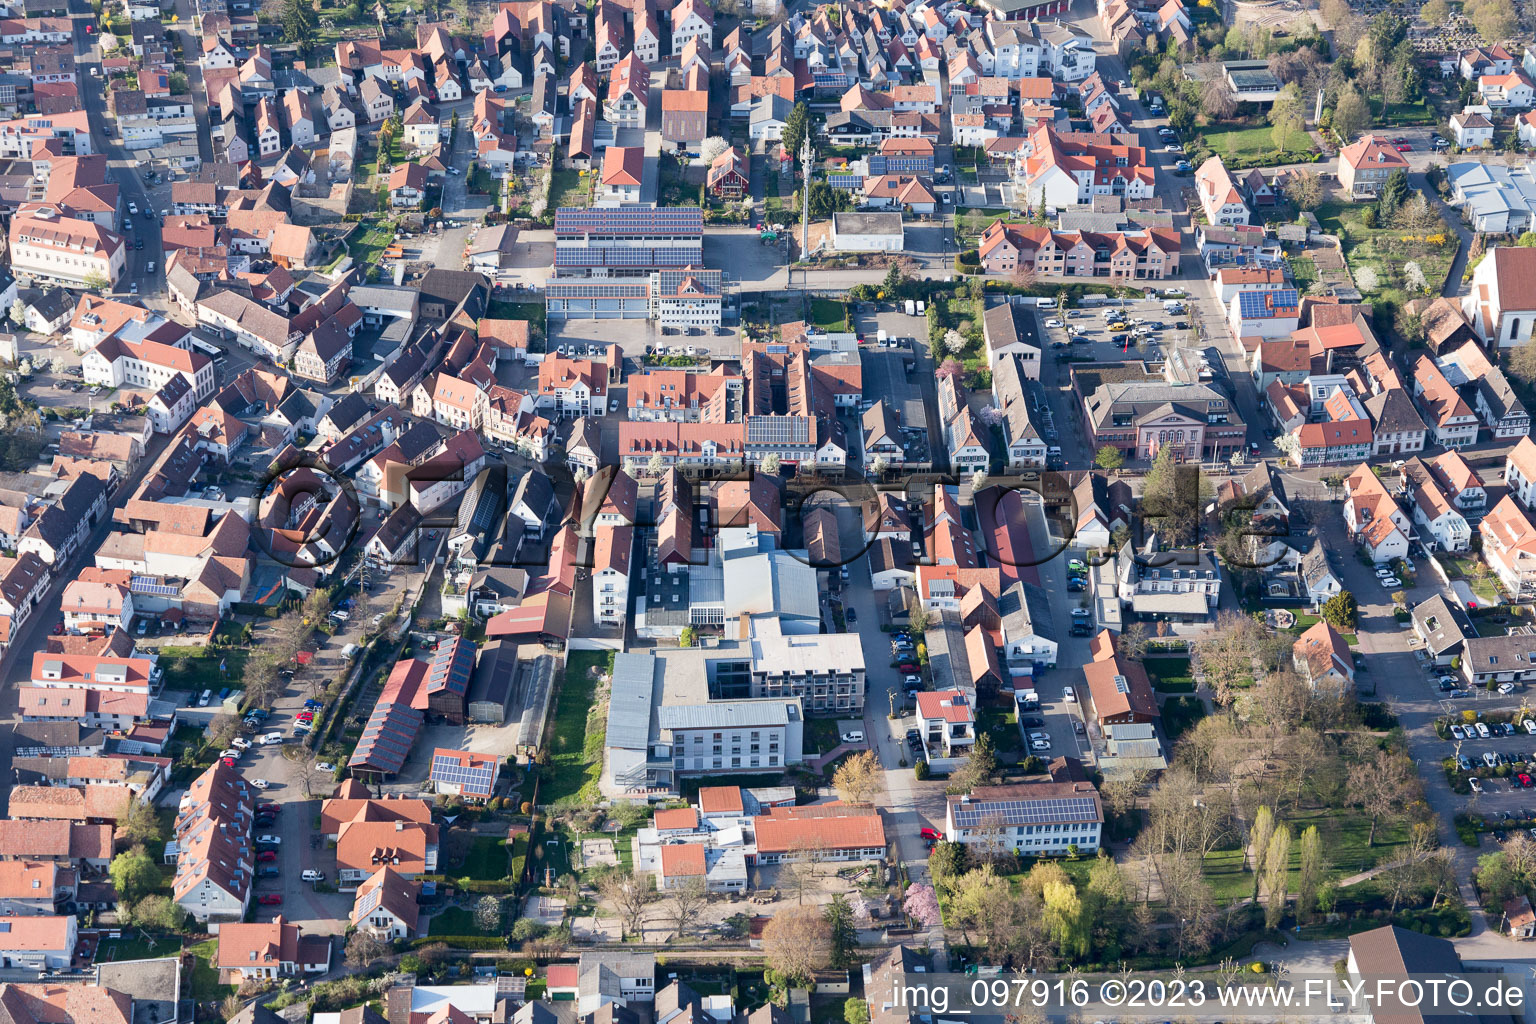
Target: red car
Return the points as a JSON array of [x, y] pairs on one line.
[[228, 762], [931, 833], [268, 808], [1525, 780], [270, 899], [308, 716], [907, 666], [1405, 147], [267, 855]]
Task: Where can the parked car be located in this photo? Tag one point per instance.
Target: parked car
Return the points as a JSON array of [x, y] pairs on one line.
[[1506, 688], [260, 783], [325, 766], [267, 855], [270, 899], [1069, 695], [855, 736], [930, 833], [311, 875], [270, 871], [270, 840], [1457, 732]]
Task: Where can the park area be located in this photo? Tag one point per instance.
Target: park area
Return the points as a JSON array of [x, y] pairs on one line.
[[1242, 146], [1408, 250]]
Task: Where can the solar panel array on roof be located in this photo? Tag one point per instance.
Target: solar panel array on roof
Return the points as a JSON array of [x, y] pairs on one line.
[[387, 738], [778, 430], [475, 778], [626, 256], [846, 182], [368, 902], [638, 221], [1252, 305], [596, 290], [1025, 812], [452, 667]]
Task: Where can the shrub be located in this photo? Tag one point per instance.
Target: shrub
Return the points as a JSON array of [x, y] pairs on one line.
[[921, 771]]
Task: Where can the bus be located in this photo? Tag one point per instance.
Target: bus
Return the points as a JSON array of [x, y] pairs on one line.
[[211, 351]]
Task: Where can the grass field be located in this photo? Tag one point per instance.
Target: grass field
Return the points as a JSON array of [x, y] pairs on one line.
[[576, 752], [533, 312], [1180, 714], [487, 859], [830, 314], [365, 246], [820, 735], [137, 948], [205, 985], [1383, 248], [454, 921], [1344, 833], [1170, 675], [568, 188], [1251, 147], [198, 668]]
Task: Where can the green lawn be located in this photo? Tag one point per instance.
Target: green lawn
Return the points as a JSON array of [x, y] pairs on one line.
[[1170, 675], [487, 859], [830, 314], [1180, 714], [205, 985], [1394, 115], [137, 948], [197, 668], [820, 735], [1344, 833], [366, 245], [1383, 248], [1254, 147], [576, 752], [454, 921], [1002, 725], [568, 188], [533, 312]]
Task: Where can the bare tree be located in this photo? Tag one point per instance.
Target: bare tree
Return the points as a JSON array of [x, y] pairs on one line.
[[1382, 787], [802, 872], [688, 900], [363, 949], [798, 942], [1132, 641], [630, 894]]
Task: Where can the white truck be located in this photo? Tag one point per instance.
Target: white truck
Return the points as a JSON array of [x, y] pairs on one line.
[[910, 307]]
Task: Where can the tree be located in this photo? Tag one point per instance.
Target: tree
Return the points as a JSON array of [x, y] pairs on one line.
[[844, 936], [1305, 190], [711, 148], [802, 874], [19, 313], [770, 464], [1341, 612], [1413, 275], [858, 777], [795, 127], [58, 367], [656, 465], [133, 874], [946, 863], [893, 281], [363, 949], [1258, 843], [979, 480], [1286, 117], [1277, 865], [922, 905], [1109, 458], [1172, 497], [1313, 869], [1215, 98], [950, 367], [797, 943], [1351, 113], [979, 766], [96, 281], [689, 637], [855, 1010], [1225, 658], [1522, 363], [1494, 21], [1394, 194], [1132, 641], [488, 915], [688, 900], [1382, 787], [140, 824], [954, 341], [159, 913], [298, 21], [1066, 918], [880, 466], [630, 894]]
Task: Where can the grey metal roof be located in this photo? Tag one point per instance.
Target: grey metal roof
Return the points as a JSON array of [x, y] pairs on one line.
[[725, 714], [774, 582], [630, 702]]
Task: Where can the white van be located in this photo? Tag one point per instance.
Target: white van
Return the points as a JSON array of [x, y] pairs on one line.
[[910, 307], [311, 875]]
